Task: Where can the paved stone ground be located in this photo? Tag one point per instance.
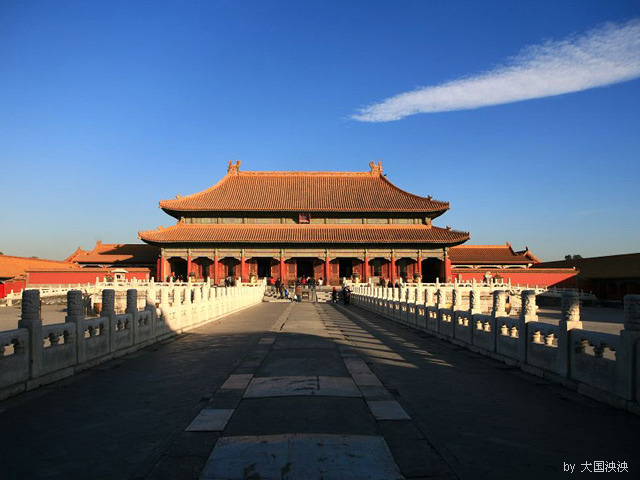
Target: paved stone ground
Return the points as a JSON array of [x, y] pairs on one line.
[[304, 391], [116, 420]]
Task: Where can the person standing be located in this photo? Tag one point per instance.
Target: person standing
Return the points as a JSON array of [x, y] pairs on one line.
[[298, 293], [346, 295]]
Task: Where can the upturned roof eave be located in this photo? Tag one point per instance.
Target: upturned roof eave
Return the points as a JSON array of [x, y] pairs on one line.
[[178, 213], [437, 244], [440, 244]]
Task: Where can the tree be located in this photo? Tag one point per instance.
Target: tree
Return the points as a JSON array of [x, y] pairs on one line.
[[572, 257]]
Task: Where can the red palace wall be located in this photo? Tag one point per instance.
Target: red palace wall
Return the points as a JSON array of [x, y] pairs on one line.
[[85, 275], [11, 286], [522, 276]]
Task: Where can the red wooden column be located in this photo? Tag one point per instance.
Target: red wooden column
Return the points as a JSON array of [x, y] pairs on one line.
[[243, 266], [365, 273], [159, 265], [283, 272], [211, 273], [419, 265], [189, 265], [327, 269], [216, 273], [392, 273], [447, 269]]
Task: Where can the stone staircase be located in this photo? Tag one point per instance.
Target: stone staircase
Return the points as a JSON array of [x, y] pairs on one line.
[[321, 296], [270, 296]]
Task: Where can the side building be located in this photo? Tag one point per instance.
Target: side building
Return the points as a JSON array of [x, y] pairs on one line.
[[328, 225], [609, 277], [501, 263]]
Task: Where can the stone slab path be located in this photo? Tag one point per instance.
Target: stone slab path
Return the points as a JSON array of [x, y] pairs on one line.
[[308, 391], [312, 409]]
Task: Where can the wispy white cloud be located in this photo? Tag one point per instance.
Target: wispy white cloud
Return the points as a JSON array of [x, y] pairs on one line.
[[603, 56]]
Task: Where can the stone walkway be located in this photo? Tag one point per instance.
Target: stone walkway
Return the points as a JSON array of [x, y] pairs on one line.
[[302, 405], [116, 420], [307, 391]]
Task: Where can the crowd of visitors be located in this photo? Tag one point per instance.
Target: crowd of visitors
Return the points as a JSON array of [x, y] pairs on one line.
[[281, 290]]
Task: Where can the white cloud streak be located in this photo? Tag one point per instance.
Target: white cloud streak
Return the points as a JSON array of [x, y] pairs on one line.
[[603, 56]]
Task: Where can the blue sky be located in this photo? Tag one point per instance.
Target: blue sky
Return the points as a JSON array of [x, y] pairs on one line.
[[107, 107]]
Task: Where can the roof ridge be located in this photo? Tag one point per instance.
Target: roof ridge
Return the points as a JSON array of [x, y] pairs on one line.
[[301, 173]]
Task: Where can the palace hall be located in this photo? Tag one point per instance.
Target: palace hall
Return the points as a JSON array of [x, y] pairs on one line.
[[328, 225]]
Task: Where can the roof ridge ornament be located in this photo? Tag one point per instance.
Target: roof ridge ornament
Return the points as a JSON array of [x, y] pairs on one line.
[[234, 168], [376, 170]]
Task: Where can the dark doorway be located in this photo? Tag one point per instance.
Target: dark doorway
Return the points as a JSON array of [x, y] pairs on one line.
[[431, 269], [264, 267], [203, 265], [346, 267], [304, 267], [231, 266], [178, 268]]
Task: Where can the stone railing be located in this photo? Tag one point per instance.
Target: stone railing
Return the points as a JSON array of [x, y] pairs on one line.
[[94, 290], [603, 366], [35, 354]]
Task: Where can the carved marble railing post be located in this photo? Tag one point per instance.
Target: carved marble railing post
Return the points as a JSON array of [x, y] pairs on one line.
[[197, 295], [475, 306], [109, 311], [569, 320], [528, 313], [570, 307], [74, 306], [420, 294], [31, 320], [456, 299], [151, 297], [132, 302], [627, 373], [440, 299], [429, 300], [132, 309], [632, 313], [164, 302], [197, 302], [108, 302], [499, 303], [75, 315]]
